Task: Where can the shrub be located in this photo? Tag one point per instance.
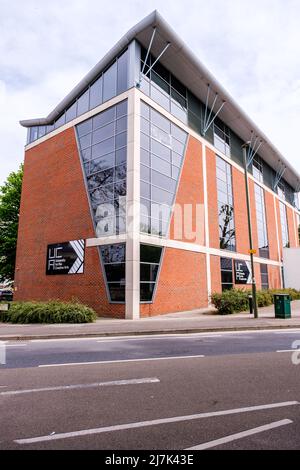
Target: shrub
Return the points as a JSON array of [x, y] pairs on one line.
[[49, 312], [230, 301], [236, 300]]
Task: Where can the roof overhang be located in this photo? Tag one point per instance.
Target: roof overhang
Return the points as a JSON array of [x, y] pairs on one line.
[[182, 62]]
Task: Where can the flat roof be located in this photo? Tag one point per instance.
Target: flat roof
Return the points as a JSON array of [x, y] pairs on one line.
[[182, 63]]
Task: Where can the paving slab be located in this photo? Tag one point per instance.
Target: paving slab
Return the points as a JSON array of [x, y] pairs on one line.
[[203, 320]]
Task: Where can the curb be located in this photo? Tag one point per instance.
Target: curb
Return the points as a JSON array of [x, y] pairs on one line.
[[145, 333]]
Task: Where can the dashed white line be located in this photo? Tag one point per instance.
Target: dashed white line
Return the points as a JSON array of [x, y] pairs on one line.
[[168, 358], [240, 435], [150, 380], [155, 422]]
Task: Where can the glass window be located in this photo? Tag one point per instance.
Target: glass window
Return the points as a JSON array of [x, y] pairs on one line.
[[83, 103], [103, 133], [42, 131], [257, 169], [284, 225], [113, 260], [263, 242], [225, 205], [60, 121], [157, 155], [122, 84], [150, 258], [71, 112], [226, 273], [281, 191], [110, 82], [84, 128], [106, 169], [122, 109], [107, 146], [264, 276], [221, 138], [96, 93]]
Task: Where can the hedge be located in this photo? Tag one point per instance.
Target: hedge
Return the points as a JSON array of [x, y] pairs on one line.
[[236, 300], [48, 312]]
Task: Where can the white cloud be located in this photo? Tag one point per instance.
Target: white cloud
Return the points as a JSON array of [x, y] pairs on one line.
[[251, 46]]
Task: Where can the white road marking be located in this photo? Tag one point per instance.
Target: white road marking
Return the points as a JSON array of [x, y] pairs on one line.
[[154, 422], [289, 332], [240, 435], [15, 345], [3, 386], [288, 350], [80, 386], [168, 335], [121, 361], [158, 337]]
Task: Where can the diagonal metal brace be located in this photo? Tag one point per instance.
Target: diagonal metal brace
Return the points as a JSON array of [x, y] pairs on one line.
[[209, 120], [142, 74], [253, 147], [279, 175]]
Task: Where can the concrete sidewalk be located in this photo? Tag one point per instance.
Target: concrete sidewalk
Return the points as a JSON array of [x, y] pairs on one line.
[[184, 322]]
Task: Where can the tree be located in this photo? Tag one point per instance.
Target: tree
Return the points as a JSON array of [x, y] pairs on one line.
[[10, 197]]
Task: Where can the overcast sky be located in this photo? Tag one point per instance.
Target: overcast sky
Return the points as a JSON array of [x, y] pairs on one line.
[[251, 46]]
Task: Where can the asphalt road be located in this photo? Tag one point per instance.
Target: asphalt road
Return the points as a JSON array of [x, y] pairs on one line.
[[218, 391]]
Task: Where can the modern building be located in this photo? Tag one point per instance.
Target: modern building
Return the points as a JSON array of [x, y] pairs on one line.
[[134, 196]]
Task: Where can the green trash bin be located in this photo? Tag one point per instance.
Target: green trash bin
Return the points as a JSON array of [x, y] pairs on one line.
[[282, 305]]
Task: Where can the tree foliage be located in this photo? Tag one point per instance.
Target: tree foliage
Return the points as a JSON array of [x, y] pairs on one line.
[[10, 197]]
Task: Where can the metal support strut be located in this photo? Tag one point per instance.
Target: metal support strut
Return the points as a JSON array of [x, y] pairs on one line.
[[209, 120], [147, 55], [279, 175], [253, 148]]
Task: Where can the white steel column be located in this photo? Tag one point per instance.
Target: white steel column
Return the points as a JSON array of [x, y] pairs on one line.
[[132, 296], [206, 223]]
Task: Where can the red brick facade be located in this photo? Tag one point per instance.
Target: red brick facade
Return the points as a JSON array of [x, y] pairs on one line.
[[54, 209]]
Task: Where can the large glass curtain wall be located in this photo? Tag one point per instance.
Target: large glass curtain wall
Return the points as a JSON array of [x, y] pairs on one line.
[[263, 242], [110, 83], [225, 206], [284, 225], [103, 148], [162, 151]]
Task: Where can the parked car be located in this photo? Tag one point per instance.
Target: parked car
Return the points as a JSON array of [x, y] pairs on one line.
[[6, 294]]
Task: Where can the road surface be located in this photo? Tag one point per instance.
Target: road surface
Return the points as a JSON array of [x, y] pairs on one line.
[[173, 392]]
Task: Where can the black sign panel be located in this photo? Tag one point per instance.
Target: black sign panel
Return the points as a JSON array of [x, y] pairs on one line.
[[65, 258], [242, 272]]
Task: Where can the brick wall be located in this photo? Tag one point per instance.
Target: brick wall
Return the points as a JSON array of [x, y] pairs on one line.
[[181, 285], [190, 192], [54, 208], [271, 226]]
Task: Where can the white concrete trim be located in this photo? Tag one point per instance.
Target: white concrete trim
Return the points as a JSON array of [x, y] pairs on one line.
[[295, 230], [106, 240], [206, 224], [179, 245], [132, 296], [83, 117], [277, 236]]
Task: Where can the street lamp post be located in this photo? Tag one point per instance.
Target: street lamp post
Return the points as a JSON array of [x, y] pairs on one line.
[[245, 146]]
